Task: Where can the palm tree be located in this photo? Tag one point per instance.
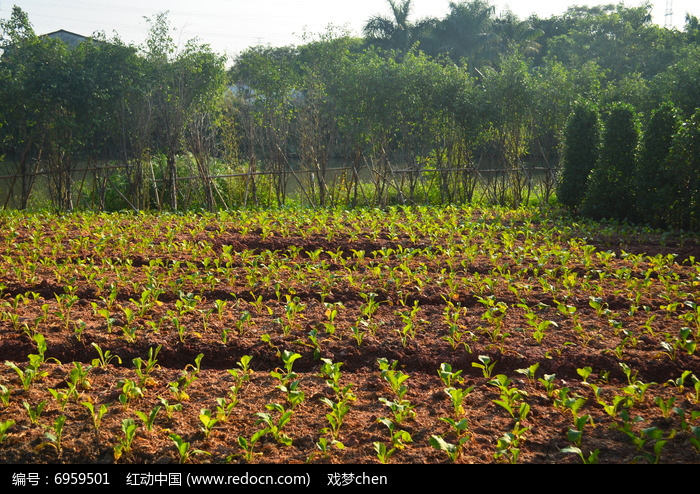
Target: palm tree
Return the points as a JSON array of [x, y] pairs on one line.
[[466, 32], [391, 33]]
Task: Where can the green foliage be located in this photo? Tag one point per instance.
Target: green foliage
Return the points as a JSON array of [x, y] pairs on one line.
[[653, 171], [611, 190], [682, 188], [581, 151], [414, 112]]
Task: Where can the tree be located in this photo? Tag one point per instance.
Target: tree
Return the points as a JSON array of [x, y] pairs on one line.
[[610, 193], [682, 189], [580, 157], [184, 83], [466, 32], [38, 106], [653, 174], [509, 93], [397, 32]]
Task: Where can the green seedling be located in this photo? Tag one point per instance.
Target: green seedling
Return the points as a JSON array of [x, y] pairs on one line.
[[659, 442], [96, 414], [358, 333], [32, 371], [336, 416], [324, 447], [485, 364], [149, 418], [5, 394], [241, 375], [453, 451], [188, 375], [508, 445], [248, 445], [548, 383], [61, 397], [124, 446], [104, 357], [184, 449], [169, 408], [399, 439], [455, 337], [331, 371], [574, 404], [144, 369], [575, 433], [26, 375], [288, 359], [402, 409], [584, 373], [449, 377], [242, 322], [510, 397], [55, 435], [458, 396], [529, 372], [130, 392], [666, 406], [313, 343], [208, 421], [4, 427], [225, 407], [459, 427], [395, 378], [592, 458], [34, 412], [274, 427]]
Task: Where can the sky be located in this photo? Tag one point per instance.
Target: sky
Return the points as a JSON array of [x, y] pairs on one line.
[[231, 26]]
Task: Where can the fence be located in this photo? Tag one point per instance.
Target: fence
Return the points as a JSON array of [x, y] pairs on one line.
[[120, 186]]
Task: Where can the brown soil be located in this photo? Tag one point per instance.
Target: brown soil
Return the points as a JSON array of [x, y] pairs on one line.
[[620, 333]]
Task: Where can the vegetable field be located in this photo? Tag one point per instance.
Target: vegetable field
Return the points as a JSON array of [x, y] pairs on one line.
[[416, 335]]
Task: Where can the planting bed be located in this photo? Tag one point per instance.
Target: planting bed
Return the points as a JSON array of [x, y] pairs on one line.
[[456, 335]]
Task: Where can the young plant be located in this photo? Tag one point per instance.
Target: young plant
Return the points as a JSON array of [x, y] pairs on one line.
[[34, 412], [274, 427], [331, 371], [336, 416], [485, 364], [4, 427], [149, 418], [248, 445], [453, 451], [169, 408], [402, 409], [55, 435], [458, 396], [591, 459], [144, 369], [5, 394], [96, 414], [130, 392], [184, 449], [208, 421], [395, 378], [448, 376], [188, 375], [399, 439], [324, 447], [124, 446], [104, 357]]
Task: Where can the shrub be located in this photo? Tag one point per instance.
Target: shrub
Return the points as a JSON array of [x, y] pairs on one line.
[[610, 193], [682, 188], [581, 148], [652, 170]]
